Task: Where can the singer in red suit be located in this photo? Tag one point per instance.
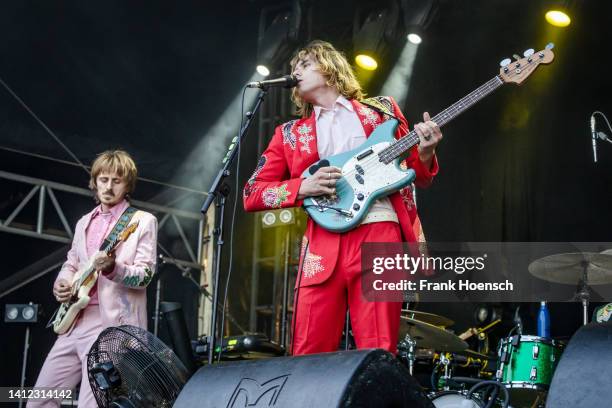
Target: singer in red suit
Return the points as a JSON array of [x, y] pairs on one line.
[[335, 118]]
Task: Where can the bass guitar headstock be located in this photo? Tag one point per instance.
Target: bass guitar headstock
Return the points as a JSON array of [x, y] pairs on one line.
[[518, 71]]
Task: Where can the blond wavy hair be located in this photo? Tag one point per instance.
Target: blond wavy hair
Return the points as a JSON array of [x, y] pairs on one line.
[[114, 161], [334, 67]]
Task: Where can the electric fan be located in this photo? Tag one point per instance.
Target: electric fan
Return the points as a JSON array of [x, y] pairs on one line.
[[130, 367]]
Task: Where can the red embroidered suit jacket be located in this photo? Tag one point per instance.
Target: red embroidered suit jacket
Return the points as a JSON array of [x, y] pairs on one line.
[[293, 148]]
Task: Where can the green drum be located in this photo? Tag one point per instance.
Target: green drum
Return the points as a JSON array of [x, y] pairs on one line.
[[526, 367]]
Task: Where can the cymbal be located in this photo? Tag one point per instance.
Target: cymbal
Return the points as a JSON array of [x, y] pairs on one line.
[[569, 268], [430, 318], [476, 354], [429, 336]]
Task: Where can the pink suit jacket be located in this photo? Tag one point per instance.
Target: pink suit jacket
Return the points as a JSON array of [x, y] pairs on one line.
[[122, 293]]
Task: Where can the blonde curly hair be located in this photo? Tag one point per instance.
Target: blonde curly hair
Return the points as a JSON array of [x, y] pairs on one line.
[[334, 67]]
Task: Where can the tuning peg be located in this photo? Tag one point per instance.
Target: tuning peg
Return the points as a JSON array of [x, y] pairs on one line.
[[505, 62], [550, 46], [528, 53]]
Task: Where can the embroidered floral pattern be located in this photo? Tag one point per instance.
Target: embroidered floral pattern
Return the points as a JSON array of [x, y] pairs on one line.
[[312, 264], [304, 247], [305, 137], [135, 280], [288, 135], [407, 197], [370, 117], [274, 197], [260, 164]]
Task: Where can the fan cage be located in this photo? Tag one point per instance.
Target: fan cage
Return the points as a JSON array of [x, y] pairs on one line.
[[151, 374]]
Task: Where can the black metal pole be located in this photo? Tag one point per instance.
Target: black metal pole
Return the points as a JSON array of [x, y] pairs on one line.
[[220, 194], [285, 311]]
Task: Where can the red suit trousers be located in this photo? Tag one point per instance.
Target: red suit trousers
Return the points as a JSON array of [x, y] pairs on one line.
[[320, 310]]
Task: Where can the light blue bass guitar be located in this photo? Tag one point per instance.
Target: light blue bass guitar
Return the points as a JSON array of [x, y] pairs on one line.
[[373, 170]]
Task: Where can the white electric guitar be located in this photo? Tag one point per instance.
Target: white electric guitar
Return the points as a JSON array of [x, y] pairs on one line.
[[84, 280]]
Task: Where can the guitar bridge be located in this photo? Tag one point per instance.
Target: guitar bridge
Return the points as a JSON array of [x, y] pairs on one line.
[[327, 203]]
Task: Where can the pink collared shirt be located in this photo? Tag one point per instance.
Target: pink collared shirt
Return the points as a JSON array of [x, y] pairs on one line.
[[99, 227], [338, 129]]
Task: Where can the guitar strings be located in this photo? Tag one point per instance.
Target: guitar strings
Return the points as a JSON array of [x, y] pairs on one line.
[[397, 147]]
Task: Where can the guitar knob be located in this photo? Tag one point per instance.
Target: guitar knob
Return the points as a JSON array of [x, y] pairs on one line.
[[505, 62], [528, 53], [356, 207], [360, 196]]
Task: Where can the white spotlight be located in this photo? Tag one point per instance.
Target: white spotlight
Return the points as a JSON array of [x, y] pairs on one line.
[[414, 38], [263, 70]]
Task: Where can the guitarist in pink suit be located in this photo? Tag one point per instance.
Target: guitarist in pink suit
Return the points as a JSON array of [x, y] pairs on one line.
[[119, 296], [336, 118]]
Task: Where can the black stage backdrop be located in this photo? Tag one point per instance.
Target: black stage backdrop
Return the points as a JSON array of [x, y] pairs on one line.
[[154, 78]]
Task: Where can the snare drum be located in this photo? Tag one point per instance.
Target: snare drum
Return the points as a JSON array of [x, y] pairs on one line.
[[454, 399], [526, 366]]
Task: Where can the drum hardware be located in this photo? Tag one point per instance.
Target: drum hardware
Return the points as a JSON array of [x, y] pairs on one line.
[[494, 383], [583, 269], [431, 337], [406, 350], [430, 318], [583, 295], [445, 361], [478, 331]]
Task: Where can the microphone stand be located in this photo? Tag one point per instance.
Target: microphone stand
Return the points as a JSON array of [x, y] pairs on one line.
[[219, 192]]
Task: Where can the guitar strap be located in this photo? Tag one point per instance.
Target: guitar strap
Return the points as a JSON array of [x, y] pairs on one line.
[[381, 105], [122, 222]]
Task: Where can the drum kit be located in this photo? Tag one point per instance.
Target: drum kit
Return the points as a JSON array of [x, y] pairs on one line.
[[520, 373]]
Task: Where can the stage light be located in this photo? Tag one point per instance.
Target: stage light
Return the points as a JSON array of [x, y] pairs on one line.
[[278, 218], [280, 31], [366, 62], [28, 312], [374, 36], [263, 70], [558, 18], [286, 216], [21, 313], [11, 313], [415, 38], [417, 16], [269, 218]]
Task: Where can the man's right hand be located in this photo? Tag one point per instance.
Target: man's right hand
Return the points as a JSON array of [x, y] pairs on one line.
[[322, 182], [62, 290]]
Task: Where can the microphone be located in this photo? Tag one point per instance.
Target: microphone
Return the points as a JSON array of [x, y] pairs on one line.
[[287, 81], [604, 137], [594, 138]]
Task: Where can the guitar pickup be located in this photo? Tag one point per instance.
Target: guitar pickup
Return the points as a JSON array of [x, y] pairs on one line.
[[359, 169], [365, 154]]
